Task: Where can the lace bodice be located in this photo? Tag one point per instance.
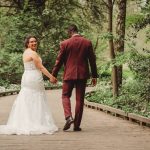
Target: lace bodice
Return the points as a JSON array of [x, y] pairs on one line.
[[30, 66]]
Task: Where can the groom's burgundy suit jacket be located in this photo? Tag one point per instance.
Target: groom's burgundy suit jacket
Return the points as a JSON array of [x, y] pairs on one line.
[[76, 54]]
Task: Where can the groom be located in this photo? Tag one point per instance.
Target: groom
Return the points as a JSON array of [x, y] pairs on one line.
[[76, 53]]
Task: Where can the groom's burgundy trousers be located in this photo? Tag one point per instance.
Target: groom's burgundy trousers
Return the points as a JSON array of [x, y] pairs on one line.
[[68, 86]]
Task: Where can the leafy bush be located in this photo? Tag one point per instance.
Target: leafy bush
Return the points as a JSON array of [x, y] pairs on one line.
[[140, 65], [134, 19], [11, 68], [135, 92], [102, 94]]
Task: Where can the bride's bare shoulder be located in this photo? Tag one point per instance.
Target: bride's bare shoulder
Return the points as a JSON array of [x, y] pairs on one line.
[[29, 54]]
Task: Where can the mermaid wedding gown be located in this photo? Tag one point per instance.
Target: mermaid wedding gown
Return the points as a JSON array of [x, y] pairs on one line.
[[30, 113]]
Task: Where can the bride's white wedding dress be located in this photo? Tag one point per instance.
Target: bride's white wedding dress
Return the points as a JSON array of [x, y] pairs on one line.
[[30, 112]]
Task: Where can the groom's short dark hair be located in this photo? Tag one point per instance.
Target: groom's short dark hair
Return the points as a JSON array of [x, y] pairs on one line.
[[73, 28]]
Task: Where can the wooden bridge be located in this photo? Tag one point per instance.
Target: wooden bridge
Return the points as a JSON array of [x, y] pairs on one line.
[[100, 131]]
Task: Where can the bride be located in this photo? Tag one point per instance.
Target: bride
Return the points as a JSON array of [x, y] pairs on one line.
[[30, 113]]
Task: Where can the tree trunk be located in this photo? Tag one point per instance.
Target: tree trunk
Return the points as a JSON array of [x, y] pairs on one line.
[[120, 31], [111, 47]]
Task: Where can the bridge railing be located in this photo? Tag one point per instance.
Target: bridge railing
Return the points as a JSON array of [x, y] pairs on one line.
[[141, 120]]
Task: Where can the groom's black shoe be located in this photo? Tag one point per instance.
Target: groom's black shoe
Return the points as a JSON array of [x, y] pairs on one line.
[[69, 121], [77, 129]]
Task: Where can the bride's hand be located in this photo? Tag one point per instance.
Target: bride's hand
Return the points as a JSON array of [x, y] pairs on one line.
[[53, 79]]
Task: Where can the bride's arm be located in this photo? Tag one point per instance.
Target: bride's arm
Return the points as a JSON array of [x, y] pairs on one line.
[[39, 65]]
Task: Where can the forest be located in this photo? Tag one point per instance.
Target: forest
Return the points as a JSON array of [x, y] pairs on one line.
[[118, 29]]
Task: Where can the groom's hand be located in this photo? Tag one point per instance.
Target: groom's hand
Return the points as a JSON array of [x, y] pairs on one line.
[[53, 80]]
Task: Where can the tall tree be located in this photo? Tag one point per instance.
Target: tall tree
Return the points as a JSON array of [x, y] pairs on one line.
[[120, 32], [110, 7]]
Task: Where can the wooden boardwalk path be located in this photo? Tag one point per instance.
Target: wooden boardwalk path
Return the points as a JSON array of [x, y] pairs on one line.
[[100, 131]]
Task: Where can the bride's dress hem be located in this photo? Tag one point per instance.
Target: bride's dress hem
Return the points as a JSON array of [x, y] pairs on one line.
[[6, 130]]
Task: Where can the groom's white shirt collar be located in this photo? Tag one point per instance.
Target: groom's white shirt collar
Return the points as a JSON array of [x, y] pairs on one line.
[[76, 34]]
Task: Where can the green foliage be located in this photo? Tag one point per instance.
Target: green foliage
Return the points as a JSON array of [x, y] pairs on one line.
[[106, 36], [16, 27], [105, 71], [11, 68], [148, 35], [48, 21], [140, 65], [103, 94], [134, 19], [135, 92]]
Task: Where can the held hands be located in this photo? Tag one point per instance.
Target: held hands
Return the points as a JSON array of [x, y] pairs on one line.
[[53, 80], [94, 81]]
